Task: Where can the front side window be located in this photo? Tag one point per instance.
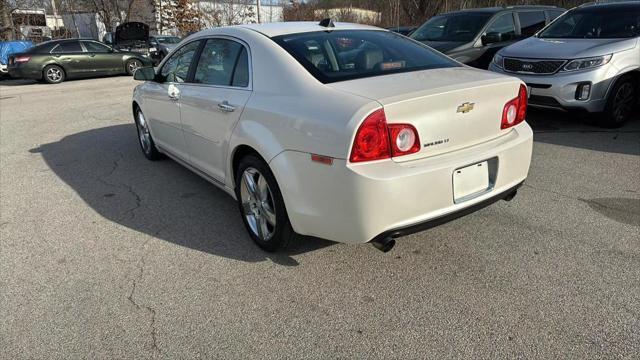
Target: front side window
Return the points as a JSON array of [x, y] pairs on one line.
[[504, 27], [596, 23], [531, 22], [67, 47], [217, 63], [176, 69], [341, 55], [454, 27], [95, 47]]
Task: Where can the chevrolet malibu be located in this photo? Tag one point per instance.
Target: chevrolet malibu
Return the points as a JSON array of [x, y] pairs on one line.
[[339, 131]]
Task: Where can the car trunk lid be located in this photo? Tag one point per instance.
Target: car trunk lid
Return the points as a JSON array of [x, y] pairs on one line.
[[450, 108]]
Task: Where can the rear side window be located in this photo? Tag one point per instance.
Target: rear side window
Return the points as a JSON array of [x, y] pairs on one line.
[[67, 47], [241, 72], [531, 22], [341, 55], [217, 62]]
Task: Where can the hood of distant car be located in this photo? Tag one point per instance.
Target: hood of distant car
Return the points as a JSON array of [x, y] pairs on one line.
[[536, 48], [131, 33], [443, 46]]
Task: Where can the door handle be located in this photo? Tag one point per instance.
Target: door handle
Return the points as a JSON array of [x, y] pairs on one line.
[[226, 107]]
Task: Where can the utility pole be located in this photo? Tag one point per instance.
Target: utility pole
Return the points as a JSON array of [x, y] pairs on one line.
[[258, 7]]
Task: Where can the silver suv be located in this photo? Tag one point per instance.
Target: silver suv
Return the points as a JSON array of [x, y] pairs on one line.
[[587, 59]]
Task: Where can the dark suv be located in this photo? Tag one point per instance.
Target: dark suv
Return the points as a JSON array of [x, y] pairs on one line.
[[473, 36]]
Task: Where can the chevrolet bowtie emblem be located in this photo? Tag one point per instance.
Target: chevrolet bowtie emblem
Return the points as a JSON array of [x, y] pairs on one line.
[[465, 108]]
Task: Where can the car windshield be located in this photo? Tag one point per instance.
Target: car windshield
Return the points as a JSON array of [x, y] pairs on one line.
[[595, 23], [168, 40], [460, 27], [341, 55]]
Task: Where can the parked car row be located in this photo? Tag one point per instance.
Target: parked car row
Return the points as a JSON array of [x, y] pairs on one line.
[[130, 47], [587, 59]]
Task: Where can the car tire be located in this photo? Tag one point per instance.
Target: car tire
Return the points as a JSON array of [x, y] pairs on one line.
[[53, 74], [620, 104], [145, 140], [262, 209], [132, 65]]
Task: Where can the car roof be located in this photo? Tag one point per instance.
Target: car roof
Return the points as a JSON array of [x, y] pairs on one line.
[[294, 27], [621, 5], [497, 9]]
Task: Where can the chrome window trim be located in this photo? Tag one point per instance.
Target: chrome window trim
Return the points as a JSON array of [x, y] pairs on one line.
[[249, 87]]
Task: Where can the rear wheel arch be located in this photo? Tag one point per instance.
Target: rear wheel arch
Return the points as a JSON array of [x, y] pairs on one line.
[[238, 154]]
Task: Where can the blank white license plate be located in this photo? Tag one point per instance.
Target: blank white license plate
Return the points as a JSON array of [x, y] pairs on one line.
[[470, 180]]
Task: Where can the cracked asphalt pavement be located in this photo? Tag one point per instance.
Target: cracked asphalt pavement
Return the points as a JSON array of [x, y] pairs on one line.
[[104, 254]]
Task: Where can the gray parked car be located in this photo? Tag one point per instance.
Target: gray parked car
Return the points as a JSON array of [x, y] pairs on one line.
[[163, 45], [587, 59]]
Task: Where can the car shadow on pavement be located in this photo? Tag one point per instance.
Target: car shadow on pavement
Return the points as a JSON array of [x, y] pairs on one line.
[[17, 82], [576, 130], [106, 168]]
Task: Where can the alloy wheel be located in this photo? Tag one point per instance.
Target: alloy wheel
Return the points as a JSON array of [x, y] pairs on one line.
[[134, 65], [54, 74], [143, 133], [257, 204]]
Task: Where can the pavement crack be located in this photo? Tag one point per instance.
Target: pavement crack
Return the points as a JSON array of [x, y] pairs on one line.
[[152, 312], [129, 213]]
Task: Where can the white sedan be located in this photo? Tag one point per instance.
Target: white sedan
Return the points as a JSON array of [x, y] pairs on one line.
[[345, 132]]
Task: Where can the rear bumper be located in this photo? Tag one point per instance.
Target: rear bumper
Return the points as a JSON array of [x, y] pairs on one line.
[[412, 229], [559, 90], [24, 72], [355, 203]]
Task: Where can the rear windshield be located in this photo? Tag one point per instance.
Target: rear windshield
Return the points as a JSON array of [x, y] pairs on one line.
[[341, 55], [596, 23]]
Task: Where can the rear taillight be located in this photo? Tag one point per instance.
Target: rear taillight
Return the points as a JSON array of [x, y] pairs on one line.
[[515, 111], [375, 140], [372, 139], [21, 59], [404, 139]]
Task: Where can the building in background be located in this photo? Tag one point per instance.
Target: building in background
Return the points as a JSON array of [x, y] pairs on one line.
[[349, 14]]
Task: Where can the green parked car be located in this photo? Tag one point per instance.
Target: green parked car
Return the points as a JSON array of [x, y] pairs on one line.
[[58, 60]]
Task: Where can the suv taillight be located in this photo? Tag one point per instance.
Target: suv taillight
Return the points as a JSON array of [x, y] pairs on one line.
[[515, 111], [375, 140], [21, 59]]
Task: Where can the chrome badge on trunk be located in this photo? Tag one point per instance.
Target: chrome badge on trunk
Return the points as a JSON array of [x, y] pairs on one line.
[[466, 107]]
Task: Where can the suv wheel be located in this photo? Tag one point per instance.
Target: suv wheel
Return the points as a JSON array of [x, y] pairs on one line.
[[620, 103]]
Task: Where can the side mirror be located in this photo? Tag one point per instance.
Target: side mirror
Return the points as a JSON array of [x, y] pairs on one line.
[[145, 74], [491, 38]]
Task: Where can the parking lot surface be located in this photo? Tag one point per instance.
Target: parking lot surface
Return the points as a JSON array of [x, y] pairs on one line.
[[105, 254]]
